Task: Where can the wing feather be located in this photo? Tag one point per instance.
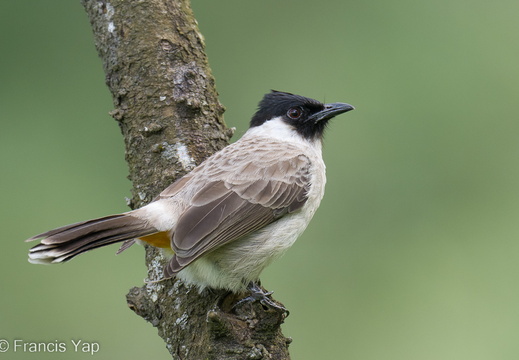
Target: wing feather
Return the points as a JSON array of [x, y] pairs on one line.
[[237, 199]]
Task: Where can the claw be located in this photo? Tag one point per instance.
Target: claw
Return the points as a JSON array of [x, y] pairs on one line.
[[258, 294]]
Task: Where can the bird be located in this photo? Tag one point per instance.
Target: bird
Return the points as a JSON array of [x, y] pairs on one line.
[[222, 223]]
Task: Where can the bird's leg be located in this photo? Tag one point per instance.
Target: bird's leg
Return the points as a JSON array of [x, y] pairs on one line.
[[258, 294]]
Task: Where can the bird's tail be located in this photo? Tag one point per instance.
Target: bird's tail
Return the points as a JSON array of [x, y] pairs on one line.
[[63, 243]]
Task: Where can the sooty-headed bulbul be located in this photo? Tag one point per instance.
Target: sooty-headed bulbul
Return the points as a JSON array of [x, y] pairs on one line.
[[232, 215]]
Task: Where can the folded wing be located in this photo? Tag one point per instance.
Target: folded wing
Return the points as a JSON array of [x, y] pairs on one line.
[[238, 203]]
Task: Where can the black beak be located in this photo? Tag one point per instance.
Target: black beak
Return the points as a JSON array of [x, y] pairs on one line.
[[330, 111]]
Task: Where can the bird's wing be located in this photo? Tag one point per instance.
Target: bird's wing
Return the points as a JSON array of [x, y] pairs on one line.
[[174, 188], [238, 199]]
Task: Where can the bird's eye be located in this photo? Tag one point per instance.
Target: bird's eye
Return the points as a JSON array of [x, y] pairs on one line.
[[294, 113]]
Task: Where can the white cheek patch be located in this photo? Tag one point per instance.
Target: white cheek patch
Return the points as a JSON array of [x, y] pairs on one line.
[[278, 129], [275, 128]]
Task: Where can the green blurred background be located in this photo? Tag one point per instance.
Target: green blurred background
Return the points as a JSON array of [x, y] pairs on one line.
[[414, 253]]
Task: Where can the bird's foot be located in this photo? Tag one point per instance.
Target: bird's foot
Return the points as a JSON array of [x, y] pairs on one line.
[[259, 294]]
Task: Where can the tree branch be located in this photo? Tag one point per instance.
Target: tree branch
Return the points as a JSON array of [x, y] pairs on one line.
[[167, 107]]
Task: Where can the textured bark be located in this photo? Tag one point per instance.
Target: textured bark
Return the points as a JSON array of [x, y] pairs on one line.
[[167, 107]]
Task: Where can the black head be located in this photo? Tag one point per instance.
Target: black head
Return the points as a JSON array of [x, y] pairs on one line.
[[307, 116]]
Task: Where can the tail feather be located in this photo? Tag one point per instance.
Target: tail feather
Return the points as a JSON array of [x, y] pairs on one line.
[[63, 243]]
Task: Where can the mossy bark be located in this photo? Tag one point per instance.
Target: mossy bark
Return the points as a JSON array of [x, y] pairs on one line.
[[167, 107]]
